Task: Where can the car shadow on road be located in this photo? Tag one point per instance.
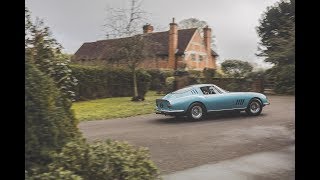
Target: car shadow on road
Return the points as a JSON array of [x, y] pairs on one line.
[[214, 117]]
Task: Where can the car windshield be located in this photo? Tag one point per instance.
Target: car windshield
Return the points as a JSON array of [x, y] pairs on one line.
[[220, 89], [183, 90]]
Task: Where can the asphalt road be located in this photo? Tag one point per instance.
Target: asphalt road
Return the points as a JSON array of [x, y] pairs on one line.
[[180, 144]]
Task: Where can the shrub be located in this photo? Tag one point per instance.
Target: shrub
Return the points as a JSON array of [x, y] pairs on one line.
[[49, 122], [285, 80], [54, 174], [255, 75], [208, 75], [232, 84], [144, 81], [195, 73], [169, 84], [100, 82], [232, 87], [106, 160], [159, 78]]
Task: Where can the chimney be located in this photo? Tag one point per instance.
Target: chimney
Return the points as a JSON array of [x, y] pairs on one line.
[[173, 45], [207, 42], [207, 38], [147, 29]]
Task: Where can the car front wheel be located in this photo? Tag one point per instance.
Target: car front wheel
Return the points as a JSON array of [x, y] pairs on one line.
[[196, 111], [254, 107]]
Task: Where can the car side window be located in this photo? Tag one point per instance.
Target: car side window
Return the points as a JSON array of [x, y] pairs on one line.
[[212, 90], [207, 90]]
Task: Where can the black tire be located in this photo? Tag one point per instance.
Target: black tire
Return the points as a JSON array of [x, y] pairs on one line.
[[196, 111], [254, 107]]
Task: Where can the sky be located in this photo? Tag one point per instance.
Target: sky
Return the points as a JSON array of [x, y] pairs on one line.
[[233, 22]]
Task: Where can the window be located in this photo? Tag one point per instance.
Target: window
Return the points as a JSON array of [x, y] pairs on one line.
[[207, 90], [193, 57], [200, 58]]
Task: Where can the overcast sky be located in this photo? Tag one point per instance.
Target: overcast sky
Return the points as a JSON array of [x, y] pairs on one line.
[[233, 22]]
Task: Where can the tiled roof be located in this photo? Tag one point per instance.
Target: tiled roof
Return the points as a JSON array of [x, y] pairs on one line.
[[101, 49]]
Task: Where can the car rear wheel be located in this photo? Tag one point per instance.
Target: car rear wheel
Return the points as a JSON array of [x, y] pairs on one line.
[[196, 111], [254, 107]]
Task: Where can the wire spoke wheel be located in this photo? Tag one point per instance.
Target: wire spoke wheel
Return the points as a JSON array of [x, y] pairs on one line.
[[196, 111], [254, 107]]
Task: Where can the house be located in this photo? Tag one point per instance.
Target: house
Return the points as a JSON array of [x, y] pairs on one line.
[[177, 49]]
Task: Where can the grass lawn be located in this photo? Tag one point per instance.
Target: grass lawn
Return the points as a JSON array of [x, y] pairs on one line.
[[114, 107]]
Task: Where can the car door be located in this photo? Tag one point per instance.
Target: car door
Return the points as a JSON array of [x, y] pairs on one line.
[[214, 101]]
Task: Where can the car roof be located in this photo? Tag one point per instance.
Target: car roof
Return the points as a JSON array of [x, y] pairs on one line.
[[201, 85]]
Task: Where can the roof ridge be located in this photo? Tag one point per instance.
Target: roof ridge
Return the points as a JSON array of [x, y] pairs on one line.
[[142, 34]]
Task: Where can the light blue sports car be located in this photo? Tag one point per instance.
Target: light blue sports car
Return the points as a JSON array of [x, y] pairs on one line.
[[196, 101]]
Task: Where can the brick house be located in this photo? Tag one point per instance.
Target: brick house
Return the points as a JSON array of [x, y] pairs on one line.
[[177, 49]]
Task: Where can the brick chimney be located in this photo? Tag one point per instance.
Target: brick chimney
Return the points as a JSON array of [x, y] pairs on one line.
[[147, 28], [173, 45], [207, 38], [207, 43]]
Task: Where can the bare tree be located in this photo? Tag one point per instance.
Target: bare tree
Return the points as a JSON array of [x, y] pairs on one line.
[[125, 22], [131, 48]]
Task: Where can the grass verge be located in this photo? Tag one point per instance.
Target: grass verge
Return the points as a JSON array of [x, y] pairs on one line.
[[118, 107]]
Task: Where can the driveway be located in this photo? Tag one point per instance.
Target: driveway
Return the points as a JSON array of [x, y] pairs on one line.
[[180, 144]]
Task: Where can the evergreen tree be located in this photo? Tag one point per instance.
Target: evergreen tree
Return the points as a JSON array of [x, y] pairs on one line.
[[277, 33], [45, 52], [49, 124]]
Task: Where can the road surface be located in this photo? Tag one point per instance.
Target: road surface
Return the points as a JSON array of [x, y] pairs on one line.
[[181, 144]]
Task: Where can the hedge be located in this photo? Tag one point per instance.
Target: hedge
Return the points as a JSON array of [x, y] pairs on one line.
[[159, 77], [100, 82]]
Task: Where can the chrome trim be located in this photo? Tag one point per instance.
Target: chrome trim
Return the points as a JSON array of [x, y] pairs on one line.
[[266, 103], [169, 111], [227, 109]]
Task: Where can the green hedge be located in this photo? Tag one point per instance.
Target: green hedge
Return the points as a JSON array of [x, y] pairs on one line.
[[159, 77], [101, 82]]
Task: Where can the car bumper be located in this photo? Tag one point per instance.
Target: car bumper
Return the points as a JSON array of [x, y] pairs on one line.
[[266, 103], [169, 112]]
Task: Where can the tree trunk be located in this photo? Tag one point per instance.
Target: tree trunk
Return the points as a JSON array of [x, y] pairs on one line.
[[135, 85]]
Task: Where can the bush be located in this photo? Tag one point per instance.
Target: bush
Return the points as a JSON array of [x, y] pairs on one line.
[[285, 80], [54, 174], [232, 84], [195, 73], [159, 78], [104, 160], [255, 75], [169, 86], [49, 122], [144, 81], [208, 74], [100, 82]]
